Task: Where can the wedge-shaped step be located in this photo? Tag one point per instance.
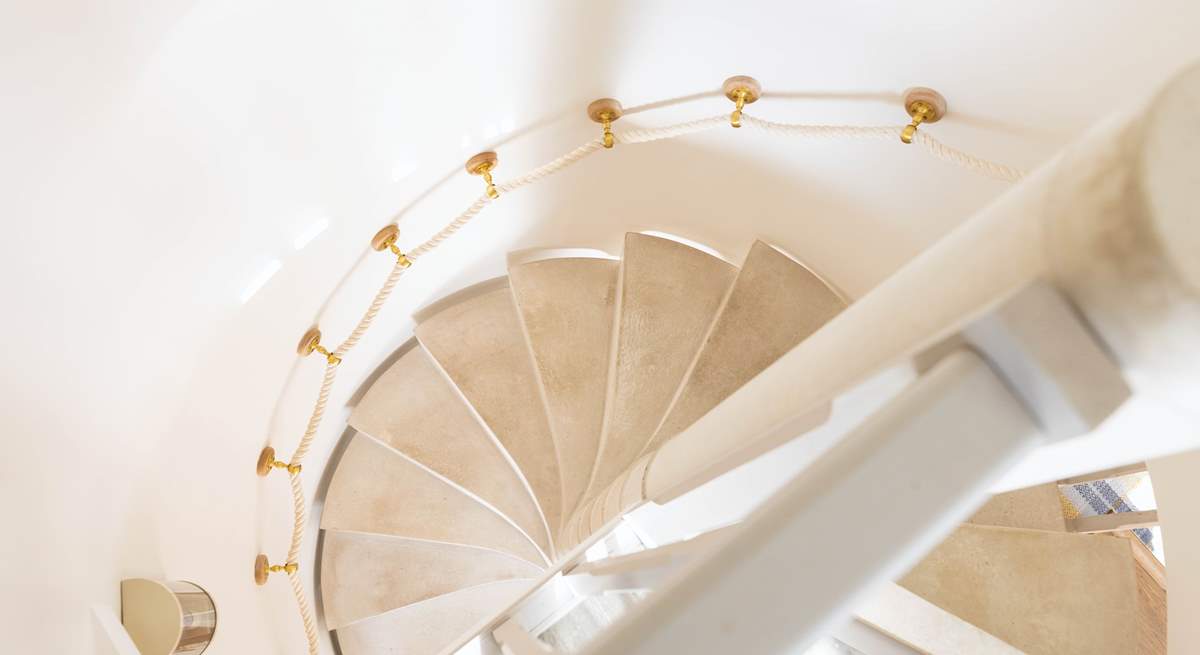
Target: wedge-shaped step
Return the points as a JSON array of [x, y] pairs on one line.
[[775, 303], [566, 306], [1034, 508], [478, 341], [363, 575], [670, 293], [416, 410], [1046, 593], [431, 625], [377, 490]]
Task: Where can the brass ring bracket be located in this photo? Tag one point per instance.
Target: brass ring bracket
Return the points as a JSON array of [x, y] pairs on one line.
[[742, 90], [605, 111], [924, 105]]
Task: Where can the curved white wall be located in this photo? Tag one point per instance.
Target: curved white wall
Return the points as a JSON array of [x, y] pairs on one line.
[[160, 156]]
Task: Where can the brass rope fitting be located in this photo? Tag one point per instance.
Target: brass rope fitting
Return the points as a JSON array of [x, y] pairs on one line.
[[311, 342], [923, 105], [385, 239], [742, 90], [482, 165], [263, 569], [267, 461], [605, 111]]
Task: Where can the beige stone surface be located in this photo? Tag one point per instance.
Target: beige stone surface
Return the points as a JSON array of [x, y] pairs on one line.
[[413, 408], [363, 575], [670, 294], [1045, 593], [1033, 508], [1152, 598], [775, 303], [374, 489], [566, 306], [479, 343], [427, 627]]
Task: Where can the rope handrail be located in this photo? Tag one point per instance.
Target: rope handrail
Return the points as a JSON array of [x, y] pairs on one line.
[[633, 136]]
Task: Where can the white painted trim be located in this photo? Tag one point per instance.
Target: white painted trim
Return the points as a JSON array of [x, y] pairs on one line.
[[866, 639], [531, 255], [914, 621], [514, 640], [706, 249], [110, 624]]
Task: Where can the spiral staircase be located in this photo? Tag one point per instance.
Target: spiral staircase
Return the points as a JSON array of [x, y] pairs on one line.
[[505, 434]]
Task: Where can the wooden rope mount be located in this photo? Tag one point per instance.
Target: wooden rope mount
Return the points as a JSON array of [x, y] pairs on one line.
[[482, 165], [311, 342], [267, 461], [263, 569], [605, 111], [385, 239], [924, 105], [742, 90]]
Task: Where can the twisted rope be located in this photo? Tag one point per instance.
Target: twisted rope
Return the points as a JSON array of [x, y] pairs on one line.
[[640, 135], [310, 627], [451, 227], [299, 505], [969, 162], [368, 317], [822, 131], [648, 134], [555, 166]]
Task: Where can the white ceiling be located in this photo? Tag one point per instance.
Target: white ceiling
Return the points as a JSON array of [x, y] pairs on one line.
[[159, 156]]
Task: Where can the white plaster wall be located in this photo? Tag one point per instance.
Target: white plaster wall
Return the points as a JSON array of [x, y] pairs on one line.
[[157, 157]]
